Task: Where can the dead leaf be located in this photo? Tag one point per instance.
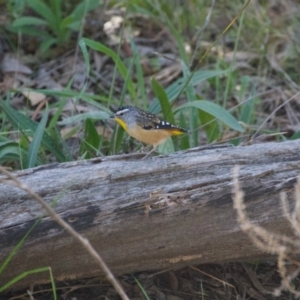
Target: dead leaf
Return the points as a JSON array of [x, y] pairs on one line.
[[34, 97], [11, 64], [173, 281], [240, 56]]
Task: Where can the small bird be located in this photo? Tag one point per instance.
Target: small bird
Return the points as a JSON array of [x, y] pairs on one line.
[[144, 126]]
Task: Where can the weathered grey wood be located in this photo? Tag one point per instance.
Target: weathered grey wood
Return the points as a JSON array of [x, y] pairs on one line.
[[107, 200]]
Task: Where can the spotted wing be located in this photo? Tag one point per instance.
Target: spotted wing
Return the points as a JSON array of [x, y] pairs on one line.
[[152, 122], [146, 120]]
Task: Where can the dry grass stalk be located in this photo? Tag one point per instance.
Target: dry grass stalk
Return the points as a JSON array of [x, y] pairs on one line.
[[269, 242], [14, 181]]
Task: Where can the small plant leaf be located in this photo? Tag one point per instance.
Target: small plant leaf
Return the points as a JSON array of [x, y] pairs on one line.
[[139, 75], [163, 100], [28, 21], [91, 99], [21, 121], [119, 64], [295, 136], [43, 10], [96, 115], [84, 7], [66, 22], [184, 141], [166, 147], [248, 111], [85, 53], [217, 111], [210, 125], [116, 142], [60, 142], [12, 152], [175, 88], [47, 43], [36, 141], [23, 275], [91, 139]]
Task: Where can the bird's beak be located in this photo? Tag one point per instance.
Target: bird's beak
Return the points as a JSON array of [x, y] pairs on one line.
[[112, 116]]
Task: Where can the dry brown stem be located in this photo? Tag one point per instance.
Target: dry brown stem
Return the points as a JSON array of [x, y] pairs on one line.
[[83, 241], [270, 242]]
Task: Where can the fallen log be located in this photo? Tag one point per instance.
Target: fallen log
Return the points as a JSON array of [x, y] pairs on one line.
[[161, 212]]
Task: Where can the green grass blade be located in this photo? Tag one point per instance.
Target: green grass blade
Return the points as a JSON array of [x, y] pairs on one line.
[[28, 21], [44, 11], [17, 247], [56, 22], [57, 113], [26, 273], [142, 289], [166, 147], [88, 98], [176, 34], [85, 53], [57, 9], [179, 39], [117, 140], [83, 7], [247, 114], [12, 153], [5, 142], [119, 64], [163, 100], [67, 23], [184, 141], [217, 111], [210, 125], [47, 43], [247, 111], [191, 96], [55, 134], [26, 124], [91, 138], [36, 141], [295, 136], [95, 115], [175, 88], [140, 76], [31, 31], [233, 62], [127, 80]]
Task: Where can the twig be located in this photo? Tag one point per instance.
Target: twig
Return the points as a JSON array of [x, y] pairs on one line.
[[200, 32], [270, 242], [273, 112]]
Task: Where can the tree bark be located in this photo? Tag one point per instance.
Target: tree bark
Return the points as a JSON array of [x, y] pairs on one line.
[[161, 212]]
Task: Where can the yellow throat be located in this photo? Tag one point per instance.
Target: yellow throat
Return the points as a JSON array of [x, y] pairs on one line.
[[121, 122]]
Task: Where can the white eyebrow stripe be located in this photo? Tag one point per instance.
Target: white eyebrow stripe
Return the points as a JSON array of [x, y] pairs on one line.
[[122, 111]]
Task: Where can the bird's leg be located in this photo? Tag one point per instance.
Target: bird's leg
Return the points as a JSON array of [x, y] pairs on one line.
[[145, 149], [154, 148]]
